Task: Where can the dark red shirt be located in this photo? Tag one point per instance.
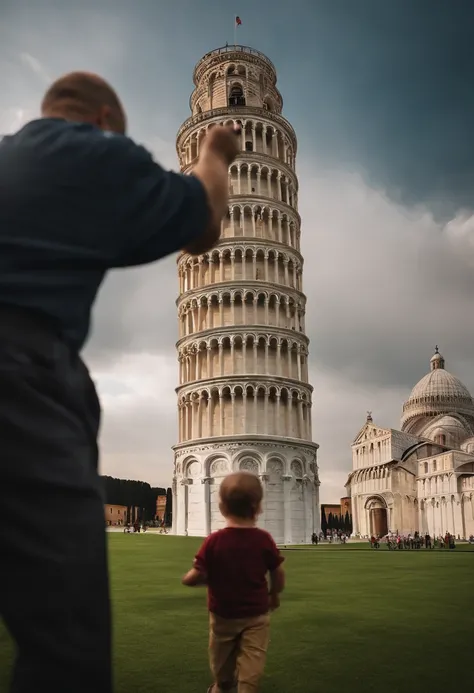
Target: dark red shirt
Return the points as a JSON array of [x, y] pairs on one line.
[[236, 562]]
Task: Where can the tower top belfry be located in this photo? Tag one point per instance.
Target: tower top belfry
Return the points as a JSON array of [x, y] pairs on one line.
[[235, 76]]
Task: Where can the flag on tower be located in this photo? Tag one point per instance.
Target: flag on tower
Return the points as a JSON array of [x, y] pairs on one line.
[[238, 21]]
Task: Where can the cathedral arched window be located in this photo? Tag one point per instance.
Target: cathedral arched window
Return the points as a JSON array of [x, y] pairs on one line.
[[440, 439], [236, 95], [248, 147]]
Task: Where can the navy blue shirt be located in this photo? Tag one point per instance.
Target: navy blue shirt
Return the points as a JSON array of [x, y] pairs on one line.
[[75, 202]]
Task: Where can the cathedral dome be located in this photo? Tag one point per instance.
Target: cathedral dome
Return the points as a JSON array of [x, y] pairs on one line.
[[439, 385], [438, 392]]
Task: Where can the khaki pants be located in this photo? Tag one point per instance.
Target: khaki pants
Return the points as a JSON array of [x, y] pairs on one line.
[[237, 651]]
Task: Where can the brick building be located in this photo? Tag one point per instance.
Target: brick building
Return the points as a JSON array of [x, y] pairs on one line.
[[160, 507], [120, 514], [337, 510], [115, 514]]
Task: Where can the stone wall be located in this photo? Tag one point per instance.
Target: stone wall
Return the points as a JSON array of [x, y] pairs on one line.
[[290, 508]]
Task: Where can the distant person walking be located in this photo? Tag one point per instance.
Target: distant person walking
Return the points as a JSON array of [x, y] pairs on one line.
[[77, 198]]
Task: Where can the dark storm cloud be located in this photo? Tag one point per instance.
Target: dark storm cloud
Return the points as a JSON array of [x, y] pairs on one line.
[[135, 312], [384, 286], [136, 309], [390, 89]]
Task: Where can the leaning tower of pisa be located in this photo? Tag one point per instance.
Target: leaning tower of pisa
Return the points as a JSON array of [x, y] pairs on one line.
[[244, 399]]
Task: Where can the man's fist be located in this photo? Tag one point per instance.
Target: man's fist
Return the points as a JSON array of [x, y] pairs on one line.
[[222, 141]]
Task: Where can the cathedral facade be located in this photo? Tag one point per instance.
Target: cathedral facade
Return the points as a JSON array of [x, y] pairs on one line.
[[244, 399], [421, 477]]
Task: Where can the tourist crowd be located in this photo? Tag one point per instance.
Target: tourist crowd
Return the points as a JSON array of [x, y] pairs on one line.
[[414, 541]]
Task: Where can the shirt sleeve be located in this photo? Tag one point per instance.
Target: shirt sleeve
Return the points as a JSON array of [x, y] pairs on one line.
[[201, 561], [273, 557], [155, 212]]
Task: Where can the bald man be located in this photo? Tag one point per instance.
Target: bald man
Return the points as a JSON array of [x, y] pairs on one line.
[[77, 198]]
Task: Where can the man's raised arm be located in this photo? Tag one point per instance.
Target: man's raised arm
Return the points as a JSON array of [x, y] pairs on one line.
[[160, 212], [218, 152]]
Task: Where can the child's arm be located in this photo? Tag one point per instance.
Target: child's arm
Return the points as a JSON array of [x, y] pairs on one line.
[[274, 559], [277, 580], [198, 574], [194, 577], [277, 585]]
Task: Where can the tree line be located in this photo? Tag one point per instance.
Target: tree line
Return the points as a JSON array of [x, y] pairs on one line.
[[337, 522], [137, 494]]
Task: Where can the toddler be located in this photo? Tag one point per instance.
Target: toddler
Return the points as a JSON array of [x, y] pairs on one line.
[[234, 563]]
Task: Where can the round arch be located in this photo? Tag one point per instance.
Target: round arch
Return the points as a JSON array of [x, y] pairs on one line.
[[377, 508]]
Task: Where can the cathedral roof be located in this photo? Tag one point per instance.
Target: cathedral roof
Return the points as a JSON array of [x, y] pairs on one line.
[[437, 392], [439, 384], [453, 427]]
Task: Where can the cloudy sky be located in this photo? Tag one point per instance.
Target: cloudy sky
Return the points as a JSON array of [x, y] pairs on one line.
[[381, 96]]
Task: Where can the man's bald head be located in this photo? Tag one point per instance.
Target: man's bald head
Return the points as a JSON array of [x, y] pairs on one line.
[[87, 98]]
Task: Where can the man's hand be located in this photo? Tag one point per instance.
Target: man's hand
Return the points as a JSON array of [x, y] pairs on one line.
[[218, 151], [221, 141]]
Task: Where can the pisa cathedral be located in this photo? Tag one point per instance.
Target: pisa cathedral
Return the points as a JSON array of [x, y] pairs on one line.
[[244, 399], [420, 478]]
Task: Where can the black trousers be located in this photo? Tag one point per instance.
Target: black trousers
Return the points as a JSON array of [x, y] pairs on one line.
[[54, 595]]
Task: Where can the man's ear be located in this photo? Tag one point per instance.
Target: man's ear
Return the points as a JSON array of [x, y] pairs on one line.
[[110, 120], [103, 118]]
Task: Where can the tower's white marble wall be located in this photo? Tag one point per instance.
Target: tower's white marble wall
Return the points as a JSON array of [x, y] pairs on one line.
[[244, 400]]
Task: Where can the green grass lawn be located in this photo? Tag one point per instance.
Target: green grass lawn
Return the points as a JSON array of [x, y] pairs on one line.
[[351, 619]]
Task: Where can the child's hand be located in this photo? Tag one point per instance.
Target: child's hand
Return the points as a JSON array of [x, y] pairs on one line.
[[194, 578], [273, 601]]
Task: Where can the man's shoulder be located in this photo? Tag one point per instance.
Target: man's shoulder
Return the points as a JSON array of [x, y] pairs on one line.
[[50, 137], [48, 132]]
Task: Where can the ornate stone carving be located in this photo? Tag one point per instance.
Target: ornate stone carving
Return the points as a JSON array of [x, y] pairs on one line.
[[237, 334], [297, 469], [219, 467], [264, 384], [185, 449], [274, 467], [194, 469], [248, 464]]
